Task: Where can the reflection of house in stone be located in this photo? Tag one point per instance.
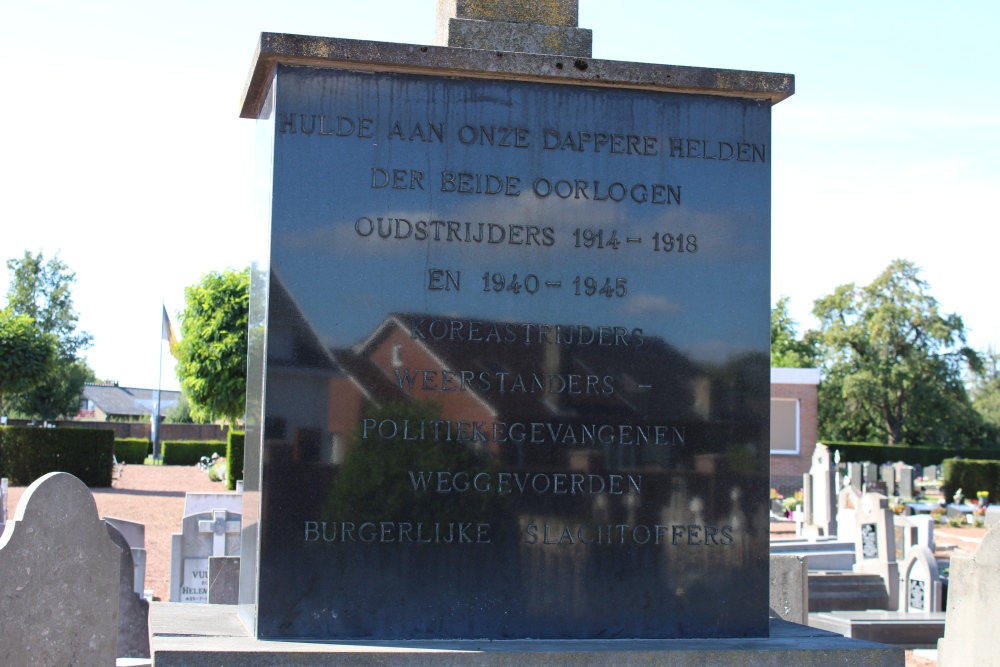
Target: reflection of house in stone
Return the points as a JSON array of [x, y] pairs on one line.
[[577, 378]]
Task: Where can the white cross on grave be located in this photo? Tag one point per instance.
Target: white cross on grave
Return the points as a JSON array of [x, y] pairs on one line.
[[219, 527]]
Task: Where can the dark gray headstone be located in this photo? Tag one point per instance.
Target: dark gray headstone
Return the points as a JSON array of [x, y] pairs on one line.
[[906, 489], [887, 475], [133, 609], [870, 472], [59, 579], [854, 471], [224, 580]]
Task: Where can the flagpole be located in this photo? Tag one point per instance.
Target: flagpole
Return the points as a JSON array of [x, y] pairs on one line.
[[156, 403]]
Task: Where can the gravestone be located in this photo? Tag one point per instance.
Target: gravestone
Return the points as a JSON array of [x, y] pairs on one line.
[[848, 500], [480, 411], [920, 588], [59, 579], [905, 478], [224, 580], [875, 546], [196, 502], [925, 530], [203, 535], [819, 495], [887, 475], [931, 473], [135, 535], [856, 475], [973, 590], [904, 534], [870, 472], [133, 609]]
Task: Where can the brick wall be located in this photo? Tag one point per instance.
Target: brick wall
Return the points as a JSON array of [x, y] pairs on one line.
[[786, 469]]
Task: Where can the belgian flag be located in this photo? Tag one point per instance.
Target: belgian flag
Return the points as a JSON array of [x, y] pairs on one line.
[[168, 333]]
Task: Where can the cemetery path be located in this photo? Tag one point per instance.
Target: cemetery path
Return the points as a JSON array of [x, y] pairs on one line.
[[154, 496]]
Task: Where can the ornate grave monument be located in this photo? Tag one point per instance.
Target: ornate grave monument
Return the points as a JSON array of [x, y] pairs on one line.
[[509, 360]]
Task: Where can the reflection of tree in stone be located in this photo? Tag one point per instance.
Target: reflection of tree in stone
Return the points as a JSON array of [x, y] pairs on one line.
[[374, 482]]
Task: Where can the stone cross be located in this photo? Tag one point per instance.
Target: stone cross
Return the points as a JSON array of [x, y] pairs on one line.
[[59, 579], [526, 26], [219, 527]]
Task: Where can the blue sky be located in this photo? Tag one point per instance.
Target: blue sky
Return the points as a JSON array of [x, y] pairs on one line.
[[123, 147]]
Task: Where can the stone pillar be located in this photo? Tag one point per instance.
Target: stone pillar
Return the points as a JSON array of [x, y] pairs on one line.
[[535, 26]]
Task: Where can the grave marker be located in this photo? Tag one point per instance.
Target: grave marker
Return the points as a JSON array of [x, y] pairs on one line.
[[875, 548], [133, 609], [57, 609], [887, 475], [920, 590], [973, 591], [905, 484], [472, 371], [135, 535], [203, 535], [870, 472], [856, 474]]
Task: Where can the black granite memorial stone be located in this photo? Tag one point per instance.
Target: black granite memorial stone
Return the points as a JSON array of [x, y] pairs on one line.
[[509, 369]]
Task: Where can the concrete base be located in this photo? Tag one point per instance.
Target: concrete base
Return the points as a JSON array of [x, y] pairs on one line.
[[212, 635], [901, 629]]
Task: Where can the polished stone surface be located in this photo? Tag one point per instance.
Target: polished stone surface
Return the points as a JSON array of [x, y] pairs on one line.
[[59, 579], [211, 635], [517, 369]]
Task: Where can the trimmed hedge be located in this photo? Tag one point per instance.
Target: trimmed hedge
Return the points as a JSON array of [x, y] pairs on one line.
[[131, 450], [27, 453], [189, 452], [234, 458], [971, 476], [858, 452]]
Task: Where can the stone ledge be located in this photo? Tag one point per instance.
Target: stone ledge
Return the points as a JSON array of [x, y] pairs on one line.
[[329, 52], [212, 635]]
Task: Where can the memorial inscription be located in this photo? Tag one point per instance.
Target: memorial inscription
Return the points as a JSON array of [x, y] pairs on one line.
[[479, 325]]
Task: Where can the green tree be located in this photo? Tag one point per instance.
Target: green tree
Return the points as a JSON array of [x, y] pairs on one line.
[[26, 354], [42, 290], [212, 352], [984, 387], [787, 351], [892, 364]]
